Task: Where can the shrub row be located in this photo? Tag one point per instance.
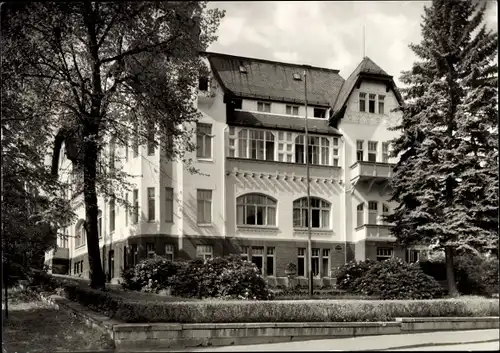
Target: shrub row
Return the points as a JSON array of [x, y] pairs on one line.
[[232, 311]]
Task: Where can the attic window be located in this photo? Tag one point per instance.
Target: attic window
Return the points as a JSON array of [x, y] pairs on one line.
[[319, 113], [297, 77], [243, 69]]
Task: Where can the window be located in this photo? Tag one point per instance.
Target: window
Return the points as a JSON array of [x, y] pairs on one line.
[[80, 234], [135, 254], [150, 249], [151, 140], [169, 252], [381, 104], [204, 203], [320, 213], [204, 140], [258, 257], [135, 215], [372, 151], [244, 252], [372, 212], [362, 102], [243, 143], [325, 151], [255, 209], [301, 262], [412, 255], [285, 147], [299, 149], [270, 262], [135, 142], [384, 253], [261, 145], [151, 204], [292, 110], [385, 212], [319, 113], [99, 224], [232, 141], [112, 153], [315, 262], [371, 103], [264, 107], [335, 152], [126, 209], [325, 262], [203, 83], [112, 210], [385, 152], [360, 220], [169, 204], [204, 252], [359, 150]]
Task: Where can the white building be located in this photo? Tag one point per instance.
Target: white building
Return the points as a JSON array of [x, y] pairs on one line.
[[253, 201]]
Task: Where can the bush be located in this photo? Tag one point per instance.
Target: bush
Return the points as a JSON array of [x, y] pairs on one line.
[[396, 279], [151, 275], [348, 274], [222, 277], [474, 275]]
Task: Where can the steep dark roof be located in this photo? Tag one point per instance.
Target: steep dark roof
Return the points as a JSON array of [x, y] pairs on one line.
[[273, 80], [366, 69], [289, 123]]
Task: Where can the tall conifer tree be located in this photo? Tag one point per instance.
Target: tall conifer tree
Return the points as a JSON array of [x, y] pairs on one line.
[[446, 181]]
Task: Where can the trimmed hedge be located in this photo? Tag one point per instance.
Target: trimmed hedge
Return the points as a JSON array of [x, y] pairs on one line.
[[219, 311]]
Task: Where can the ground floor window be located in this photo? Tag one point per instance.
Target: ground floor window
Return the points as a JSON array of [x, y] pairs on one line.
[[325, 259], [384, 253], [412, 255], [301, 262], [204, 252], [169, 252], [258, 257], [315, 262], [270, 262]]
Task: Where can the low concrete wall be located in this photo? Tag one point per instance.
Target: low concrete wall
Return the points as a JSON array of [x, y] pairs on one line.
[[154, 336], [430, 324]]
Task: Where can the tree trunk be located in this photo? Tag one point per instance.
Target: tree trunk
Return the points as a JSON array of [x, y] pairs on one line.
[[97, 279], [450, 272]]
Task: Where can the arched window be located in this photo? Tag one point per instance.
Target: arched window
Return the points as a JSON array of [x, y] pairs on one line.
[[256, 210], [320, 213], [80, 235]]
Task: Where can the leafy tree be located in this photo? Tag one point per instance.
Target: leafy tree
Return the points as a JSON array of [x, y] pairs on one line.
[[104, 71], [446, 180], [32, 204]]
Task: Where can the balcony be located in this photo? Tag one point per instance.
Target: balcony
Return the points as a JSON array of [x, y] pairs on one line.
[[206, 97], [282, 170], [61, 253], [367, 171], [374, 232]]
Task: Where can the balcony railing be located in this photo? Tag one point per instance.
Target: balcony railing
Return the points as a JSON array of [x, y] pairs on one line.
[[374, 232], [369, 170]]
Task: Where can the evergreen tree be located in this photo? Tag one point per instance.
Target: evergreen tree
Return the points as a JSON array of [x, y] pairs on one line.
[[446, 180]]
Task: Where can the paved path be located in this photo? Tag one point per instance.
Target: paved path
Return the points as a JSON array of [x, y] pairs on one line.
[[488, 346], [416, 341]]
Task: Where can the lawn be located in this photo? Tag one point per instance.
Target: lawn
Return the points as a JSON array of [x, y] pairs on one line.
[[34, 326]]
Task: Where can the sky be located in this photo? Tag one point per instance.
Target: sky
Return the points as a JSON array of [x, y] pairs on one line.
[[326, 33]]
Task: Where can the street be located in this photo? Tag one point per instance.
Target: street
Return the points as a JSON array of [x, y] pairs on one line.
[[443, 340]]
